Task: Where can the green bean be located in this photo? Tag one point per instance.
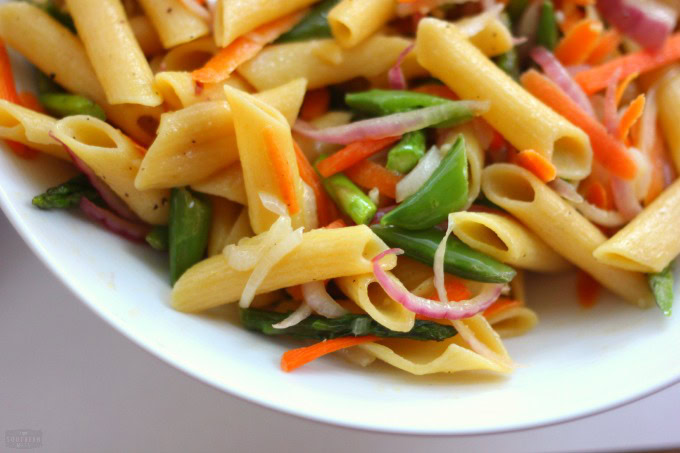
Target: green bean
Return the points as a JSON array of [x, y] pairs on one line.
[[386, 102], [662, 287], [459, 259], [516, 8], [547, 26], [158, 238], [349, 198], [190, 215], [64, 104], [406, 154], [313, 26], [445, 191], [509, 63]]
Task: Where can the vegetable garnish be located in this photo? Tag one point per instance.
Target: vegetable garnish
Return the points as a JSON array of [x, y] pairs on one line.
[[427, 307], [284, 176], [368, 175], [112, 222], [406, 154], [537, 164], [315, 295], [313, 26], [453, 112], [311, 178], [579, 42], [190, 215], [395, 75], [295, 358], [68, 194], [353, 154], [662, 287], [386, 102], [648, 23]]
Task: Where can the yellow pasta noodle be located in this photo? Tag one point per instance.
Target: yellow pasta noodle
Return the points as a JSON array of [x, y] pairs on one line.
[[179, 90], [173, 22], [352, 21], [31, 128], [252, 118], [563, 228], [347, 251], [145, 35], [506, 240], [114, 159], [523, 120], [669, 112], [234, 18], [651, 240], [189, 56], [492, 39], [227, 183], [111, 46], [514, 321], [224, 216], [280, 63]]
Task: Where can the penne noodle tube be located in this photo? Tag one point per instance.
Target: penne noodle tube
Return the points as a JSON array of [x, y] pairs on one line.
[[365, 291], [174, 23], [507, 240], [281, 63], [179, 90], [115, 55], [521, 118], [189, 56], [115, 159], [493, 39], [31, 128], [145, 35], [346, 251], [560, 226], [352, 21], [225, 214], [57, 52], [651, 240], [669, 112], [227, 183]]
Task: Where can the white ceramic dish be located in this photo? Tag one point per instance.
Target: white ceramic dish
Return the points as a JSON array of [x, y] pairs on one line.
[[575, 363]]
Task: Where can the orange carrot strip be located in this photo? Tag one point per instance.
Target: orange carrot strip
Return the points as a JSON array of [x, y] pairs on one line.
[[608, 151], [315, 104], [353, 154], [621, 89], [284, 175], [588, 289], [368, 175], [579, 42], [502, 304], [537, 164], [572, 16], [456, 289], [220, 66], [310, 176], [338, 223], [597, 78], [607, 44], [630, 117], [434, 89], [30, 101], [597, 195], [295, 358]]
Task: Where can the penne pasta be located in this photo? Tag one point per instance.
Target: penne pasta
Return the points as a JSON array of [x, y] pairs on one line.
[[352, 21], [31, 128], [523, 120], [145, 35], [650, 241], [111, 45], [493, 39], [227, 183], [669, 112], [225, 214], [561, 227], [179, 90], [212, 282], [174, 23], [507, 240], [114, 159], [189, 56]]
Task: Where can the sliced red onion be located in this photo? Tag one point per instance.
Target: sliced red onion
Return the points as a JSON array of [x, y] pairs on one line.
[[575, 69], [112, 199], [647, 22], [381, 213], [624, 198], [395, 75], [318, 299], [565, 190], [610, 116], [431, 308], [392, 125], [303, 312], [559, 74], [611, 219], [112, 222]]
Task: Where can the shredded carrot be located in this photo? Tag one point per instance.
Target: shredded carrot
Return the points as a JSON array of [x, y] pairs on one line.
[[338, 223], [597, 195], [621, 89], [579, 42], [282, 170], [295, 358], [30, 101], [310, 176], [594, 79], [606, 149], [456, 289], [353, 154], [537, 164], [588, 289], [502, 304], [630, 117], [315, 104], [435, 89], [572, 16], [368, 175], [222, 64], [607, 44]]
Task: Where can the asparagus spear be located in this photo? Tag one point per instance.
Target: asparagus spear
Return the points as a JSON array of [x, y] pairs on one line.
[[67, 195], [190, 216], [662, 287], [406, 154], [320, 328], [65, 104], [158, 238]]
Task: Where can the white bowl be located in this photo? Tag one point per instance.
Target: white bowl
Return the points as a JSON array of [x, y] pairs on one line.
[[575, 363]]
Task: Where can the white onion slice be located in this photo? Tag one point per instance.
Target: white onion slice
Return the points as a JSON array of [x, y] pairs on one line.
[[273, 204], [419, 175], [438, 265], [303, 312], [318, 299], [611, 219], [434, 309], [565, 190], [395, 75], [245, 255], [309, 213]]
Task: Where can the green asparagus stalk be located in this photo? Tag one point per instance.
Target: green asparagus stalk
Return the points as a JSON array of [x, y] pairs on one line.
[[64, 104], [406, 154], [190, 215], [320, 328], [67, 195], [662, 287], [547, 26], [158, 238], [387, 102]]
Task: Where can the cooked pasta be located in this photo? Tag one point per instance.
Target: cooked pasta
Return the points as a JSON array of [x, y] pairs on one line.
[[173, 22]]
